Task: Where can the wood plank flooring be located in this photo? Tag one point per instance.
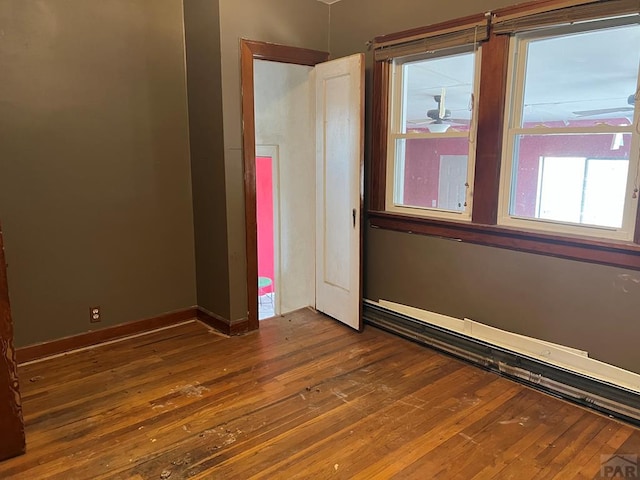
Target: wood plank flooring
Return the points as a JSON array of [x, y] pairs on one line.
[[303, 398]]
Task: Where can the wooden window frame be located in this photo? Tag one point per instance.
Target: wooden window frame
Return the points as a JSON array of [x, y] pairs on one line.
[[397, 133], [514, 126], [483, 228]]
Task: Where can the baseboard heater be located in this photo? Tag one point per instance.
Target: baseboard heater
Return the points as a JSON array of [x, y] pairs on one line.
[[607, 398]]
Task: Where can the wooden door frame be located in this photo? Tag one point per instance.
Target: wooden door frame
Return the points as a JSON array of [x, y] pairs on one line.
[[249, 51], [12, 439]]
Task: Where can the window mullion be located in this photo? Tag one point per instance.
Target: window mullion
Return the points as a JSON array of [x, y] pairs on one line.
[[491, 109], [381, 100]]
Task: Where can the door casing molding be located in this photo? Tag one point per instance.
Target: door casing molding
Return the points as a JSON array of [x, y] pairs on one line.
[[249, 51]]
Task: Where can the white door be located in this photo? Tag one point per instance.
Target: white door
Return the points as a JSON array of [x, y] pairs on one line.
[[451, 182], [339, 179]]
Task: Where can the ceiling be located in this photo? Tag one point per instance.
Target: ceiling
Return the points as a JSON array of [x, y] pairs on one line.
[[575, 73]]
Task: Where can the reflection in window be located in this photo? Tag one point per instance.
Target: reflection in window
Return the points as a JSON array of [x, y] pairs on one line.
[[432, 173], [557, 177], [582, 190], [564, 86], [569, 150], [430, 139]]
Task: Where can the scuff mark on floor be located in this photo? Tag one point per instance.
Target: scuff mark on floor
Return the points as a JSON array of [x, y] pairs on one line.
[[468, 438], [190, 390], [186, 460], [226, 435], [520, 421], [161, 405], [384, 388], [410, 405], [356, 352], [340, 395]]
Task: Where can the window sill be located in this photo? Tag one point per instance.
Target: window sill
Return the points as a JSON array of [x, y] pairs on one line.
[[585, 249]]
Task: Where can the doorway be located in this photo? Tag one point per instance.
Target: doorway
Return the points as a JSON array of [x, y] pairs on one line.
[[313, 112], [284, 125], [251, 51]]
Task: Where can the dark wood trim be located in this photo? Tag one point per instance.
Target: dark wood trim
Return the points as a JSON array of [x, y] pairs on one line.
[[378, 178], [491, 107], [249, 159], [534, 6], [12, 439], [491, 110], [88, 339], [613, 253], [284, 54], [214, 321], [492, 103], [436, 27], [249, 51], [237, 327]]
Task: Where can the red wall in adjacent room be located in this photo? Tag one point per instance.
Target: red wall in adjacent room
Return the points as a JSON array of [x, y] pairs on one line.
[[531, 149], [422, 167], [422, 161], [264, 208]]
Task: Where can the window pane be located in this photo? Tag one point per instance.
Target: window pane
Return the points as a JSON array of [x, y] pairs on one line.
[[604, 192], [576, 178], [431, 173], [437, 94], [560, 188], [582, 79]]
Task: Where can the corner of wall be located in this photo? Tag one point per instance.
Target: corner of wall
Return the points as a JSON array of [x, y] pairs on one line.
[[208, 172]]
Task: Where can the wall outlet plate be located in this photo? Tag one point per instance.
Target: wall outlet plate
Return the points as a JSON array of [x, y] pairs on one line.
[[94, 314]]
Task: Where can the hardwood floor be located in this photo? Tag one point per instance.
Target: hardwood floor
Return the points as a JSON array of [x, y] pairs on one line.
[[302, 398]]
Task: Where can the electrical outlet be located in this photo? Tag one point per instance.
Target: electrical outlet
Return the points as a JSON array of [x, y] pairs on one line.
[[94, 314]]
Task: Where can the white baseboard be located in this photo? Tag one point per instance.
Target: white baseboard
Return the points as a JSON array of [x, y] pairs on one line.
[[562, 356]]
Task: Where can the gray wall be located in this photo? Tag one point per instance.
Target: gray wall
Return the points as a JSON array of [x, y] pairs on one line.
[[202, 32], [298, 23], [95, 190], [95, 180], [591, 307], [213, 32]]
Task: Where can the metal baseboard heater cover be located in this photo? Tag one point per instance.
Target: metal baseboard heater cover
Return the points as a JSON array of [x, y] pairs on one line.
[[604, 397]]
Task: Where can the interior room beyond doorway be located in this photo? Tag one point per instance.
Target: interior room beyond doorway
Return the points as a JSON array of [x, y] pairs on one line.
[[285, 186]]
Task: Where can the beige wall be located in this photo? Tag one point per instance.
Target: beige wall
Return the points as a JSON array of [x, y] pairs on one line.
[[95, 191], [591, 307]]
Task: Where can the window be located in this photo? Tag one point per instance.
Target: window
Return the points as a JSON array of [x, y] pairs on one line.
[[524, 136], [431, 147], [570, 160]]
